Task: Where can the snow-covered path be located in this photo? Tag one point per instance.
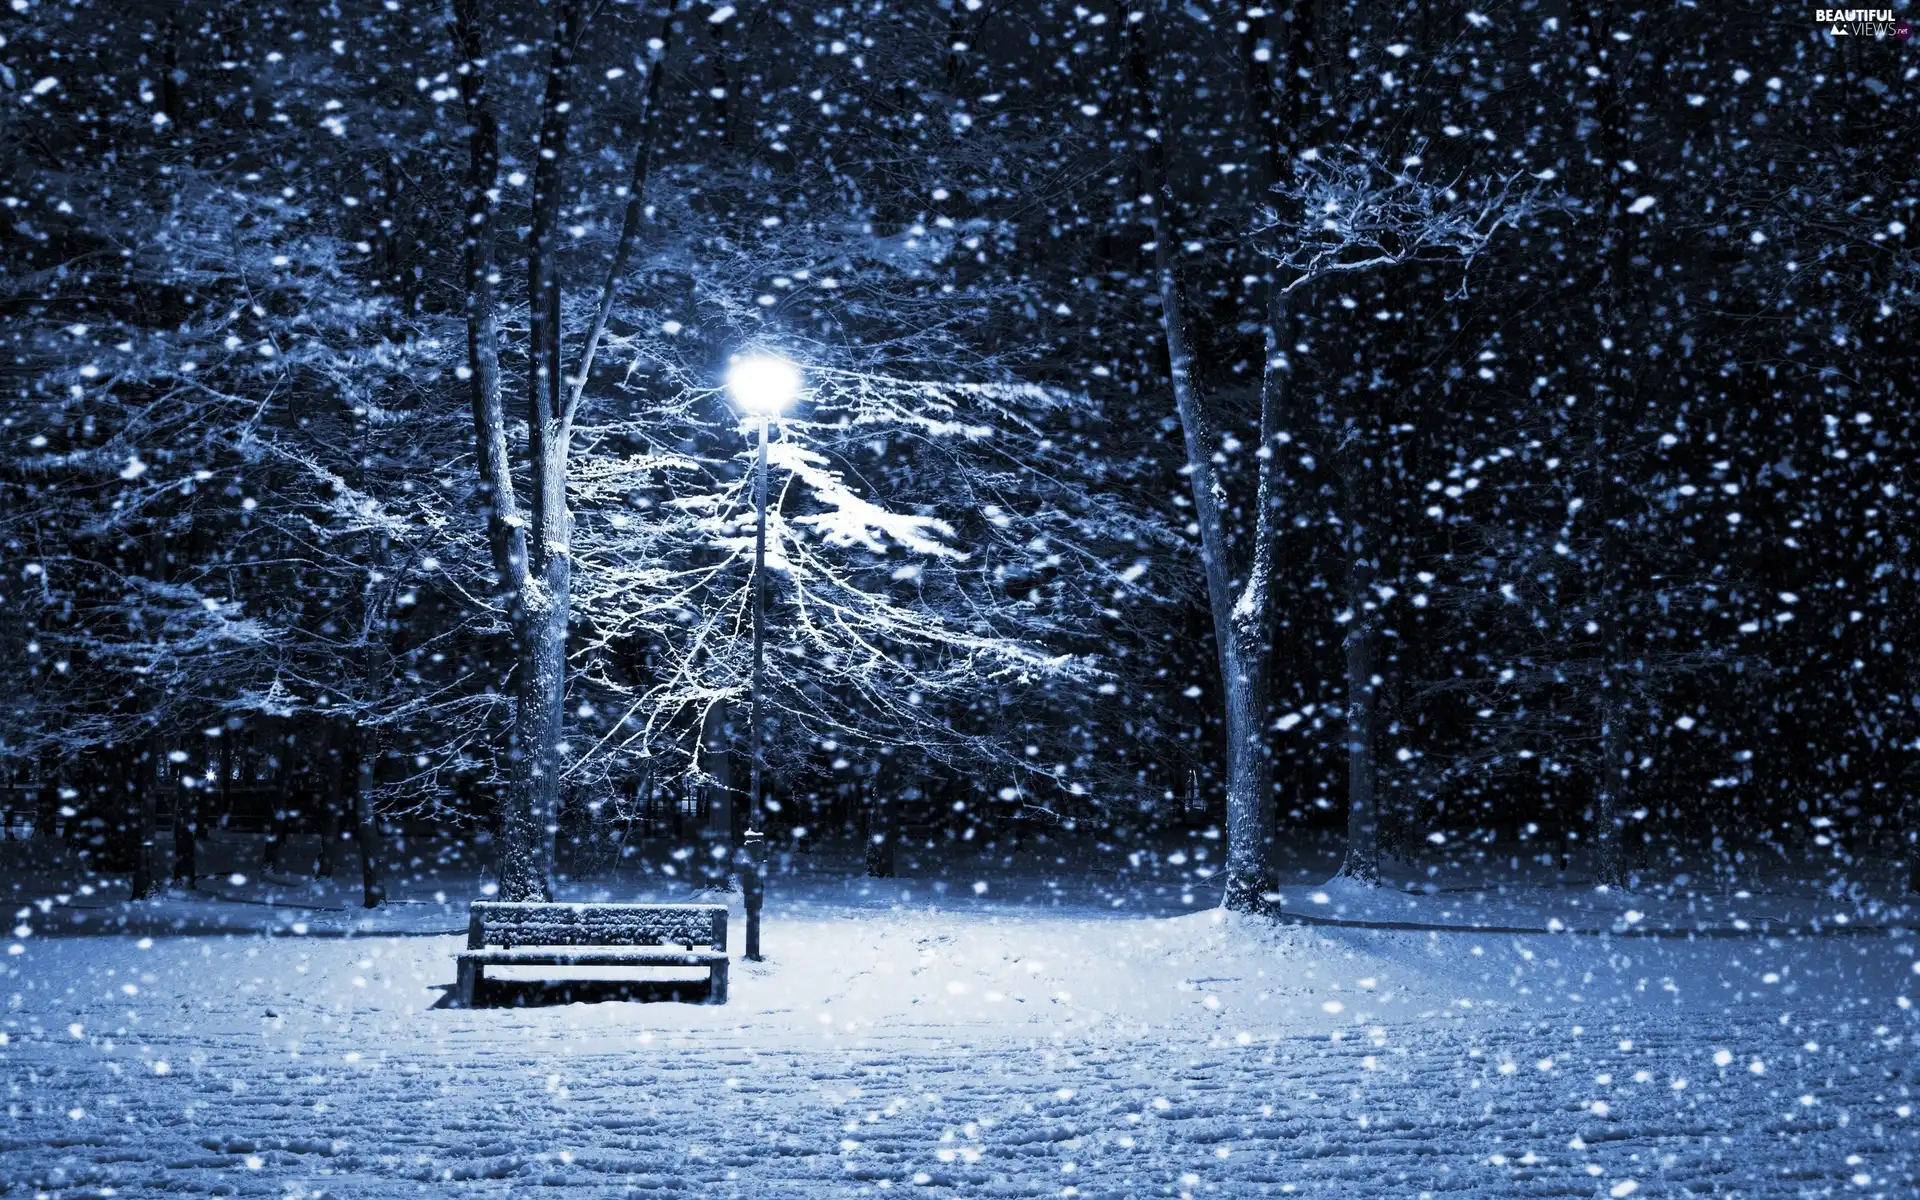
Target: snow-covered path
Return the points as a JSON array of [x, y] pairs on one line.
[[929, 1054], [705, 1114]]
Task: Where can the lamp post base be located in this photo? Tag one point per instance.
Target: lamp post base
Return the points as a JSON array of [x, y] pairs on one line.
[[753, 886]]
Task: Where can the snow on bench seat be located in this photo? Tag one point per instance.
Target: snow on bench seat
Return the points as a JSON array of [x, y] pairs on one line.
[[503, 933], [596, 956]]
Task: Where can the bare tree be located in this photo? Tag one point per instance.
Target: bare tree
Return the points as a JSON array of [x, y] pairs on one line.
[[1238, 577], [1339, 212], [533, 554], [1345, 210]]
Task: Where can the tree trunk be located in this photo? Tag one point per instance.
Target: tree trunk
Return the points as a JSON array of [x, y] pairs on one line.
[[1610, 706], [1239, 601], [329, 794], [716, 754], [226, 760], [120, 803], [366, 818], [1611, 411], [1363, 813], [1250, 874], [545, 601], [146, 801], [1360, 476], [186, 831], [1609, 865], [1238, 622], [520, 873], [282, 795], [536, 572], [529, 832], [506, 532], [877, 818], [376, 670], [46, 813], [880, 836]]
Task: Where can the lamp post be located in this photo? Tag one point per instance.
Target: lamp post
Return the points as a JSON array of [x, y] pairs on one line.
[[763, 385]]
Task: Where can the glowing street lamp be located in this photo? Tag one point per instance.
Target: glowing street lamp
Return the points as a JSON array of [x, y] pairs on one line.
[[763, 385]]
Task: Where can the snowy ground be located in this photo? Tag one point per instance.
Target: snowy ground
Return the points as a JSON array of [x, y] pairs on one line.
[[1160, 873], [941, 1044]]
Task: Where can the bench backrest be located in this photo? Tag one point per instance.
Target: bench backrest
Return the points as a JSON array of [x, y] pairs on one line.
[[506, 924]]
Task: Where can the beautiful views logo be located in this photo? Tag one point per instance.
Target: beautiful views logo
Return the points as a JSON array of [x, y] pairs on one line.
[[1863, 22]]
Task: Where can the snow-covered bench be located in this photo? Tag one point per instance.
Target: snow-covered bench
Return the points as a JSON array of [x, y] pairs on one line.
[[506, 934]]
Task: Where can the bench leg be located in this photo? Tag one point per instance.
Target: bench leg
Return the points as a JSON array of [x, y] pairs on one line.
[[467, 984], [717, 985]]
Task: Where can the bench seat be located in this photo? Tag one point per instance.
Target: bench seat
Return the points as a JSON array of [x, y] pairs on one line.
[[594, 956], [536, 934]]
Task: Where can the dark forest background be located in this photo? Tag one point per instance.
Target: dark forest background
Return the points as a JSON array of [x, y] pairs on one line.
[[1418, 419]]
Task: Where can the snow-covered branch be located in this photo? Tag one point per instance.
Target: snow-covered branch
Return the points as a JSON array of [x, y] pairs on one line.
[[1347, 210]]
